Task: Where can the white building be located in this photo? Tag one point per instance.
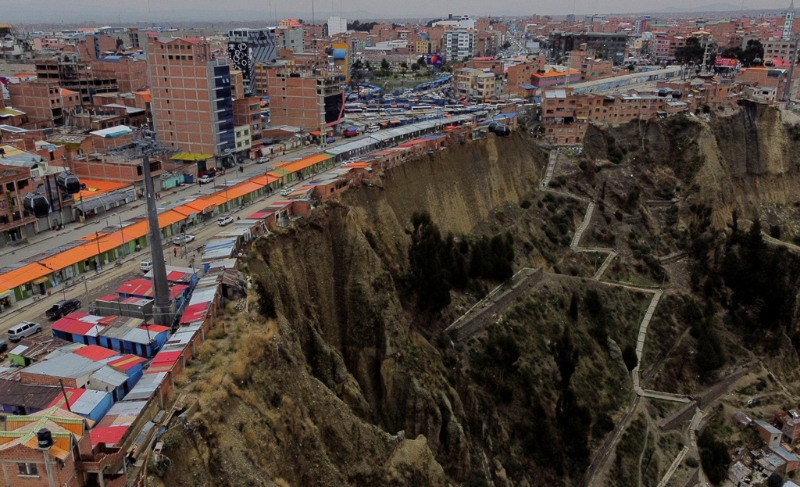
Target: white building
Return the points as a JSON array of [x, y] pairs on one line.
[[462, 22], [459, 44], [788, 20], [336, 25]]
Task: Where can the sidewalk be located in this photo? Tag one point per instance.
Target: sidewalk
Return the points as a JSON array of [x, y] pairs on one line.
[[44, 241]]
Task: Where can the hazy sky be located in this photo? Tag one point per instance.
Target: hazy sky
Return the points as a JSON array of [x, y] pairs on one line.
[[31, 11]]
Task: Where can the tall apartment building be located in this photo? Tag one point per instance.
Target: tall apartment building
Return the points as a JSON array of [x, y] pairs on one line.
[[76, 75], [459, 44], [777, 49], [247, 112], [246, 47], [191, 96], [788, 22], [292, 39], [606, 45], [305, 100], [129, 71], [336, 25]]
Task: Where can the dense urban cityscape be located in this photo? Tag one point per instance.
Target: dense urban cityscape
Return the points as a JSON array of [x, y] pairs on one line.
[[391, 252]]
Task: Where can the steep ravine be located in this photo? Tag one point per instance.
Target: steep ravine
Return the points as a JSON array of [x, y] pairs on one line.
[[333, 377]]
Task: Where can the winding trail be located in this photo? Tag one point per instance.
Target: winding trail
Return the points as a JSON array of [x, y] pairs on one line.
[[498, 300]]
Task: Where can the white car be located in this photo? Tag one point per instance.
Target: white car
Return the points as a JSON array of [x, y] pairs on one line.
[[286, 192], [182, 239], [224, 220], [205, 179], [146, 265]]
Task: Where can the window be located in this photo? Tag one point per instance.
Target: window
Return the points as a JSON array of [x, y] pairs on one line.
[[27, 469]]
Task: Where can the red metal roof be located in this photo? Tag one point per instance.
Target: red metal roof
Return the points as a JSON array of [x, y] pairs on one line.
[[260, 214], [126, 362], [69, 325], [72, 395], [154, 328], [94, 352], [110, 435], [144, 288], [166, 358], [195, 312]]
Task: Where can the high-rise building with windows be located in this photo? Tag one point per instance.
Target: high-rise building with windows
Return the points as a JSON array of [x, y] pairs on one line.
[[788, 22], [459, 44], [246, 47], [191, 100]]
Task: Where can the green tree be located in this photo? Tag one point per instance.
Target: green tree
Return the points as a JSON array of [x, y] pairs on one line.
[[573, 307], [752, 51], [714, 457], [692, 52], [629, 357], [566, 356], [427, 273], [385, 65], [506, 45]]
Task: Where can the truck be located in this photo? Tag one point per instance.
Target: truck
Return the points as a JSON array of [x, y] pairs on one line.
[[350, 132]]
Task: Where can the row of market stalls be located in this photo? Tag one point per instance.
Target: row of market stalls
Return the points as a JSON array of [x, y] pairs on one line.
[[39, 273]]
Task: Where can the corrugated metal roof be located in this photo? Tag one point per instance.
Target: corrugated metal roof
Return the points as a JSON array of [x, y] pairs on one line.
[[109, 376], [67, 366], [146, 386], [88, 401], [15, 393]]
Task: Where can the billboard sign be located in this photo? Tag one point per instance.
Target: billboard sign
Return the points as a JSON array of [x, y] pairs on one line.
[[434, 60], [722, 62]]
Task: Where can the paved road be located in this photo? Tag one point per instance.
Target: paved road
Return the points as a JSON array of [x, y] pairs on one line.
[[106, 280], [74, 231]]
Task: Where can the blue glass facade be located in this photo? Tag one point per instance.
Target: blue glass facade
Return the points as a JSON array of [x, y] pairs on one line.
[[223, 109]]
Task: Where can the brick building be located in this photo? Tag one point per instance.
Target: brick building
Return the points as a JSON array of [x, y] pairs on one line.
[[191, 96], [305, 100], [247, 111], [130, 72], [76, 75], [43, 101], [15, 183], [62, 457]]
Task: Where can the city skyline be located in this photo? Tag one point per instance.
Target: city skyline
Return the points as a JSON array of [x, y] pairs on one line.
[[35, 11]]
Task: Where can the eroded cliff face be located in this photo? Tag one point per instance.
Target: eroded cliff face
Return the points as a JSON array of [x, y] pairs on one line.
[[745, 161], [332, 378], [344, 346]]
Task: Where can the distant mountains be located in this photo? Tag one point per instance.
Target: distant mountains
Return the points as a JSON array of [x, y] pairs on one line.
[[714, 7]]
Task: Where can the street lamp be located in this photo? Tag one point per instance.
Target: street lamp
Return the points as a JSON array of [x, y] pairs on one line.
[[122, 231], [99, 253], [86, 288]]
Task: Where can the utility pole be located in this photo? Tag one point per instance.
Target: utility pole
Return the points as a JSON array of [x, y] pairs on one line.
[[787, 93], [162, 309]]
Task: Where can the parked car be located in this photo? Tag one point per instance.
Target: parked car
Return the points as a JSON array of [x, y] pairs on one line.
[[182, 239], [3, 346], [205, 179], [146, 265], [286, 192], [22, 330], [224, 220], [262, 160], [63, 308]]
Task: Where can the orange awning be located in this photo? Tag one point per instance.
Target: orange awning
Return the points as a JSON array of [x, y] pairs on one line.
[[22, 275], [304, 163]]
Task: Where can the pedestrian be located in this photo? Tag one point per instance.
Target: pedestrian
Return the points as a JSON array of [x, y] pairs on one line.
[[175, 251]]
